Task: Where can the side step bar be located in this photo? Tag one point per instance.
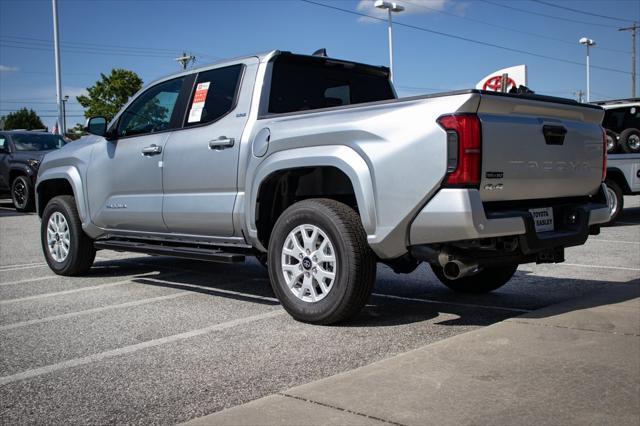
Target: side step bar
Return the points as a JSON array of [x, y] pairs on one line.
[[186, 252]]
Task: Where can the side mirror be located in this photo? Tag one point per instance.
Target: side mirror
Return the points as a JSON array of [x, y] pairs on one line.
[[97, 126]]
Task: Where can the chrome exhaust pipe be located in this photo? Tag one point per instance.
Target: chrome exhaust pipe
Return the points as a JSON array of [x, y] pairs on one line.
[[455, 269]]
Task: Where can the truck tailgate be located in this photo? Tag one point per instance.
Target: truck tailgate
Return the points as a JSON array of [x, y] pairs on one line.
[[533, 149]]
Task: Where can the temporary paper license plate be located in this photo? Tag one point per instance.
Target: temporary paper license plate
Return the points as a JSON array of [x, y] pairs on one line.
[[542, 218]]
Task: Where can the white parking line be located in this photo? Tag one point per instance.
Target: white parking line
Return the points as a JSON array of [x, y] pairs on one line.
[[28, 280], [77, 290], [622, 268], [19, 265], [28, 374], [93, 311], [614, 241], [441, 302], [213, 289]]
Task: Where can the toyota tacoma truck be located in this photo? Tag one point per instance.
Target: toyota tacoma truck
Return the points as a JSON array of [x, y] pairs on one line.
[[315, 165]]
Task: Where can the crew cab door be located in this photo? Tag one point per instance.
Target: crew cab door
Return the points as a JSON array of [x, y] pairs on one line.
[[124, 179], [201, 160]]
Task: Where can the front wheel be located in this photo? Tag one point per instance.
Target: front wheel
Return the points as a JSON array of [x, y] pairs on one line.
[[67, 249], [320, 264], [22, 194], [489, 278]]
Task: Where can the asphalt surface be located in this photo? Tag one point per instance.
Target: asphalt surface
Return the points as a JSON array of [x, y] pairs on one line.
[[159, 340]]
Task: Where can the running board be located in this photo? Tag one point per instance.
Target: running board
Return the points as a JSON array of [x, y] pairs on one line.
[[186, 252]]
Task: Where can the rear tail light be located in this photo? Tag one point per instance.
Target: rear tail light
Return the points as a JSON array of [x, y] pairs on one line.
[[604, 154], [464, 148]]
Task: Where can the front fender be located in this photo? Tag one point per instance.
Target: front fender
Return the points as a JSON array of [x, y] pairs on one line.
[[339, 156], [71, 175]]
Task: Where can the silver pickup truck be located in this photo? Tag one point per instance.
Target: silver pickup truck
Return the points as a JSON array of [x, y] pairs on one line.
[[313, 165]]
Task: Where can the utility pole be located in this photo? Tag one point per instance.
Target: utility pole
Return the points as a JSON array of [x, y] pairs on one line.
[[56, 50], [633, 29], [185, 59]]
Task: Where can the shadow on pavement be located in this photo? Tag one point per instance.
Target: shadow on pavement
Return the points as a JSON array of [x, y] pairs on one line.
[[249, 282]]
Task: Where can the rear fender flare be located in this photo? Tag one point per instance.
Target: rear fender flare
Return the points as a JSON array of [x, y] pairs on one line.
[[339, 156]]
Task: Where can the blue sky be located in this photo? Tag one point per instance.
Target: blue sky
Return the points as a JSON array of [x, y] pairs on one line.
[[145, 36]]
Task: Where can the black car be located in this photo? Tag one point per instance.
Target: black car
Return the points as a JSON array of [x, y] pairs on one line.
[[21, 152]]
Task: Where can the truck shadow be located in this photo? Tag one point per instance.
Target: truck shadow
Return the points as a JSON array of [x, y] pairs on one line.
[[397, 299]]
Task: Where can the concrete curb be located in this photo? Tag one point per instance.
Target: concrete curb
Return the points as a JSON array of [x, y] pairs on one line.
[[577, 362]]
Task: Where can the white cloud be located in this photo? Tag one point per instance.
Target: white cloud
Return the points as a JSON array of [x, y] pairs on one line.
[[413, 7], [6, 68]]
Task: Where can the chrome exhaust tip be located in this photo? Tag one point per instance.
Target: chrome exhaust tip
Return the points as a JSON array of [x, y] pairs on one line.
[[454, 269]]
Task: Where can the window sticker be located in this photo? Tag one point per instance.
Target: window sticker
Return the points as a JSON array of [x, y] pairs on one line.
[[199, 98]]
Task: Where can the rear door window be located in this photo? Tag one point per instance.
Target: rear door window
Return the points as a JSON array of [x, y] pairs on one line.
[[301, 83], [214, 95]]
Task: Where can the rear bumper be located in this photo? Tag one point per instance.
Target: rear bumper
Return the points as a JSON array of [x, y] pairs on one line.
[[456, 214]]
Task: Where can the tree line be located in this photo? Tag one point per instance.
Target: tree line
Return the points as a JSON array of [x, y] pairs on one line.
[[104, 98]]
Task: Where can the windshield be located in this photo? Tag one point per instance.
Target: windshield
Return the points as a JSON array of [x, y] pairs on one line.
[[619, 119], [37, 142]]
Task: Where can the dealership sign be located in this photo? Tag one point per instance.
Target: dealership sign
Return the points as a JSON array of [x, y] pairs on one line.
[[516, 77]]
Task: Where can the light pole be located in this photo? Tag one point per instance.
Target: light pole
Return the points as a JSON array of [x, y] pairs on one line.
[[587, 42], [391, 7], [64, 114], [56, 51]]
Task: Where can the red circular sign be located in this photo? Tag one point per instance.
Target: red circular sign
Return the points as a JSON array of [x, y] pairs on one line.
[[495, 83]]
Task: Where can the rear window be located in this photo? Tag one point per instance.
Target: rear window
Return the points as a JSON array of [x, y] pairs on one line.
[[619, 119], [300, 83], [37, 142]]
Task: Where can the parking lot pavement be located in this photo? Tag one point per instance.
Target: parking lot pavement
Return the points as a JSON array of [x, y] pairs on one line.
[[155, 339]]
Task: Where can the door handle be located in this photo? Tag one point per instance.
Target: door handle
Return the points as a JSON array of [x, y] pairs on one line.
[[151, 150], [221, 143]]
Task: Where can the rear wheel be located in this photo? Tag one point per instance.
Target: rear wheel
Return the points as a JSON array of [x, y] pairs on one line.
[[22, 194], [630, 140], [617, 200], [320, 264], [67, 249], [612, 142], [489, 278]]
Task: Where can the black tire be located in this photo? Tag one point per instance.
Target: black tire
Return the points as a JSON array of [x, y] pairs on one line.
[[81, 250], [488, 279], [22, 194], [612, 142], [356, 263], [617, 199], [630, 140]]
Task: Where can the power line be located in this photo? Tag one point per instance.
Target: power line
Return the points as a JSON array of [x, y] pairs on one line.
[[515, 30], [482, 43], [31, 46], [99, 46], [546, 16], [581, 11]]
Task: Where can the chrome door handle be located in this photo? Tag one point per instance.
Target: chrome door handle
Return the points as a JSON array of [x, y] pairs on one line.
[[221, 143], [151, 150]]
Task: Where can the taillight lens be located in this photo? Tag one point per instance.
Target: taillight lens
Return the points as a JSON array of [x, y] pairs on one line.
[[604, 154], [463, 130]]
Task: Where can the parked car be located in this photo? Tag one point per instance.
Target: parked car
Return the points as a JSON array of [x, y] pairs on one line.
[[21, 153], [315, 162], [622, 123]]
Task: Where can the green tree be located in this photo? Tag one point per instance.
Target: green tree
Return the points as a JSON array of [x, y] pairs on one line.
[[110, 93], [23, 119]]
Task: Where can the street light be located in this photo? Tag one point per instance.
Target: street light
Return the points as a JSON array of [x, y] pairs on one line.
[[391, 7], [587, 42], [64, 114]]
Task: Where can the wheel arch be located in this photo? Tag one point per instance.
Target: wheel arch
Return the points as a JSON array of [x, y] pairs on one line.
[[338, 164], [617, 175], [60, 181]]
